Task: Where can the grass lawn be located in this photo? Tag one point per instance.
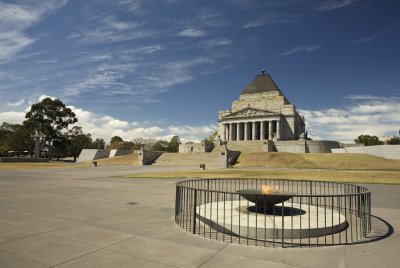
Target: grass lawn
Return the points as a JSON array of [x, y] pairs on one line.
[[19, 166], [354, 176], [315, 160]]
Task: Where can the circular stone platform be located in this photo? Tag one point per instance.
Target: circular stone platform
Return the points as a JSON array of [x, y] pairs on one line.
[[235, 218]]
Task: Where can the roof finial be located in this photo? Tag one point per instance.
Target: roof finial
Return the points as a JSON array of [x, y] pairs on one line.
[[263, 71]]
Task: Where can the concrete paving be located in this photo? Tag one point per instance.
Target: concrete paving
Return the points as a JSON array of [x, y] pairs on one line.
[[86, 217]]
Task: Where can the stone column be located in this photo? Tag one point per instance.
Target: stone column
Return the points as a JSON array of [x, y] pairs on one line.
[[231, 132], [37, 147], [246, 131], [270, 130], [224, 134], [238, 131], [278, 130], [262, 130], [253, 131]]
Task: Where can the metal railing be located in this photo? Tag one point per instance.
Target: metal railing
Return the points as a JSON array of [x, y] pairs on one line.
[[319, 213]]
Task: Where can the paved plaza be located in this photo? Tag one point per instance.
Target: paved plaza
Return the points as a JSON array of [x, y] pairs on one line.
[[86, 217]]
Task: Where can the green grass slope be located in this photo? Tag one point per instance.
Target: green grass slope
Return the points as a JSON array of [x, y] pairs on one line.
[[314, 160]]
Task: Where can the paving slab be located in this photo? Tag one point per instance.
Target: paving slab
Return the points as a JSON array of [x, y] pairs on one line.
[[303, 257], [12, 260], [107, 259], [47, 249], [233, 261], [80, 218], [32, 221], [91, 235], [163, 252], [9, 232]]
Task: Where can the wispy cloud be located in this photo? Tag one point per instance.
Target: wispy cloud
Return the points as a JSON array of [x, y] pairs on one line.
[[371, 115], [16, 103], [335, 4], [192, 32], [218, 42], [272, 18], [15, 19], [300, 49], [372, 37]]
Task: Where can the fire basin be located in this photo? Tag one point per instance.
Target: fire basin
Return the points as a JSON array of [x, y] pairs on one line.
[[265, 202]]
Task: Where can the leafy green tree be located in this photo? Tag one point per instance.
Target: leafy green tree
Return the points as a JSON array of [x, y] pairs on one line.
[[161, 146], [5, 132], [16, 138], [78, 141], [394, 140], [116, 143], [99, 143], [60, 146], [174, 144], [48, 118], [368, 140]]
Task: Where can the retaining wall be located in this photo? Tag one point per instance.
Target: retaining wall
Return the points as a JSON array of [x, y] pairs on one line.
[[387, 151]]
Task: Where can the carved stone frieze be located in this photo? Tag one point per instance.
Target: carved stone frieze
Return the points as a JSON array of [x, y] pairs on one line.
[[250, 112]]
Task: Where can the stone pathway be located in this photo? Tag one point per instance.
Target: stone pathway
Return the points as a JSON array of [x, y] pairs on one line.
[[87, 218]]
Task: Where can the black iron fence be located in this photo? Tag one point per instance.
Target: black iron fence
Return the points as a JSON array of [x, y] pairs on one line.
[[318, 213]]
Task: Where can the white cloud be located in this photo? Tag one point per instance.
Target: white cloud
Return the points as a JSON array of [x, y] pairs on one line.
[[335, 4], [272, 18], [15, 19], [11, 43], [372, 37], [16, 103], [369, 115], [300, 49], [218, 42], [12, 117], [192, 32]]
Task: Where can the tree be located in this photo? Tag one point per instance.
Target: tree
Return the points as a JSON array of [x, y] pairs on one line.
[[116, 139], [148, 143], [116, 142], [161, 146], [174, 144], [394, 140], [48, 118], [368, 140], [5, 133], [77, 141], [17, 138], [99, 143]]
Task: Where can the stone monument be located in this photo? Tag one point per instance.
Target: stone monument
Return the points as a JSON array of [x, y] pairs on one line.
[[261, 113]]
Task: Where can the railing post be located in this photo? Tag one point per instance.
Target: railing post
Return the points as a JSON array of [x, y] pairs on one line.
[[194, 211]]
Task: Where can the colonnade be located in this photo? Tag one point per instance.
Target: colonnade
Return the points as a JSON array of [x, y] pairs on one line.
[[257, 130]]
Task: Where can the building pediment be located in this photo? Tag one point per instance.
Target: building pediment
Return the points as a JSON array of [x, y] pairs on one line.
[[251, 112]]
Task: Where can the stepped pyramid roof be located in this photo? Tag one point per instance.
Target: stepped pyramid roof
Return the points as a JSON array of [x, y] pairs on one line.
[[262, 83]]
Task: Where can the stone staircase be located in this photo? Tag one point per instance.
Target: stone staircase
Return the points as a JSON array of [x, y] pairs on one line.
[[211, 159], [246, 146]]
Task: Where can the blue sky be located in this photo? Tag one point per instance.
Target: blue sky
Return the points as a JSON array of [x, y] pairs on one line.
[[157, 68]]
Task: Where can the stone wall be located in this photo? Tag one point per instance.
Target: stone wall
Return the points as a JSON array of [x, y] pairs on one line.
[[305, 146], [147, 157], [192, 147], [387, 151], [321, 146]]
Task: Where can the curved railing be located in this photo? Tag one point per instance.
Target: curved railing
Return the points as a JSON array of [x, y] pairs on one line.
[[319, 213]]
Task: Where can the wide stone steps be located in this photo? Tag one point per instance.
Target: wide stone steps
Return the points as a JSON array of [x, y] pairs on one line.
[[188, 159], [246, 146]]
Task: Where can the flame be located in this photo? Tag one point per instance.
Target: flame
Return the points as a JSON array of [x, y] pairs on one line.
[[266, 189]]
